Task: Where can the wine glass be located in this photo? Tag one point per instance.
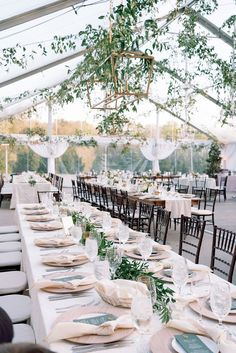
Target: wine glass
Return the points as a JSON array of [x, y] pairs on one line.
[[151, 286], [91, 249], [123, 233], [220, 300], [201, 291], [114, 257], [179, 274], [145, 248], [106, 222], [76, 232], [141, 311]]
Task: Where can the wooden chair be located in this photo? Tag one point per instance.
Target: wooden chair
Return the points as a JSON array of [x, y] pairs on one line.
[[131, 213], [119, 206], [223, 255], [221, 189], [74, 190], [208, 209], [146, 213], [182, 189], [191, 236], [161, 223]]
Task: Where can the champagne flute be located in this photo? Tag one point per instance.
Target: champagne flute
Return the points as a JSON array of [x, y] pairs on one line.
[[145, 248], [201, 291], [106, 222], [220, 300], [179, 274], [141, 311]]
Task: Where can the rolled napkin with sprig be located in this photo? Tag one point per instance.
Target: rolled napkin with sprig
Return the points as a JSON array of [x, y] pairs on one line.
[[64, 283], [64, 259], [54, 241], [66, 330], [216, 334], [120, 292]]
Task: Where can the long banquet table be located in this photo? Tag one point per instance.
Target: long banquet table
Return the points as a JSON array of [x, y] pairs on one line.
[[45, 311]]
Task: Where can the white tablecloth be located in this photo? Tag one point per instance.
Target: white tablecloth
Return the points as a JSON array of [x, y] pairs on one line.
[[23, 192], [44, 311], [178, 207]]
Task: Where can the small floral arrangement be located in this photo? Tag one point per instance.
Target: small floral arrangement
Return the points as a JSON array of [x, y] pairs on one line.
[[32, 181]]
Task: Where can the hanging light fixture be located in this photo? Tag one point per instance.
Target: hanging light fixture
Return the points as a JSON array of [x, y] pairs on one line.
[[121, 80]]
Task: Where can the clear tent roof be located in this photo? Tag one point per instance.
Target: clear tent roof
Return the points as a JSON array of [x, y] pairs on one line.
[[30, 23]]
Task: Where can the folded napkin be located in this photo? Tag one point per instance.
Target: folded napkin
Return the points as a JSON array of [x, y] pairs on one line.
[[34, 207], [218, 335], [191, 266], [155, 266], [65, 330], [36, 212], [155, 247], [70, 284], [64, 259], [120, 292], [48, 226], [40, 218], [54, 241]]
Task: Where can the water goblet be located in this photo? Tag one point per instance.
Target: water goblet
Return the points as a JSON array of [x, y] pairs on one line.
[[106, 222], [151, 286], [114, 257], [141, 311], [220, 300], [123, 233], [145, 248], [91, 249], [76, 232], [201, 291], [179, 274]]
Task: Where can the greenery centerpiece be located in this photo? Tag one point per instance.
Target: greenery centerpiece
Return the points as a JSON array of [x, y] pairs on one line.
[[32, 181]]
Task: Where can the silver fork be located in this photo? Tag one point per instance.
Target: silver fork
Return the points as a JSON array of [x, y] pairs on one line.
[[100, 347]]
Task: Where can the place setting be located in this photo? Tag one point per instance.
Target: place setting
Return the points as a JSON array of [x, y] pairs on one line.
[[69, 282], [54, 225], [55, 242], [40, 218], [148, 250], [65, 259]]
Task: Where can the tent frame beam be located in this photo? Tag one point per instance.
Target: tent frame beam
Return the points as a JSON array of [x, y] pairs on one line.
[[36, 13]]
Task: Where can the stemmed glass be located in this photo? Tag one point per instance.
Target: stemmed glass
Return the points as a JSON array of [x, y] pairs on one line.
[[114, 257], [123, 233], [76, 232], [145, 248], [106, 222], [220, 300], [91, 249], [151, 286], [179, 274], [201, 291], [141, 311]]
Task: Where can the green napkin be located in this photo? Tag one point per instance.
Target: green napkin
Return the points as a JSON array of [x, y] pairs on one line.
[[191, 343], [97, 320]]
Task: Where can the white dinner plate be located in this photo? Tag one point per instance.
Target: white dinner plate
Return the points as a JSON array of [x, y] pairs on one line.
[[207, 341]]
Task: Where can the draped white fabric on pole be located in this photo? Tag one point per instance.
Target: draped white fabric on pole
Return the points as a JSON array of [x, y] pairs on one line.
[[50, 150], [228, 155], [155, 150]]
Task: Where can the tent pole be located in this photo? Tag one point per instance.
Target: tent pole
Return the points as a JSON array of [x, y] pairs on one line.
[[51, 161], [155, 163]]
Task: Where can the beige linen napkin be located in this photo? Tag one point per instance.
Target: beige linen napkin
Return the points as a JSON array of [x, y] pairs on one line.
[[48, 226], [63, 330], [36, 212], [120, 292], [155, 247], [64, 259], [216, 334], [71, 284], [54, 241], [40, 218], [191, 266]]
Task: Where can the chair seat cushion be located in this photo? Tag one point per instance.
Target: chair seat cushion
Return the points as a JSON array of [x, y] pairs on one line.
[[10, 246], [9, 229], [23, 333], [10, 258], [199, 212], [17, 306], [12, 282], [9, 237]]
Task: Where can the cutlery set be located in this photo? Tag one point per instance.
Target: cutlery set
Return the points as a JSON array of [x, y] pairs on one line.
[[100, 347]]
